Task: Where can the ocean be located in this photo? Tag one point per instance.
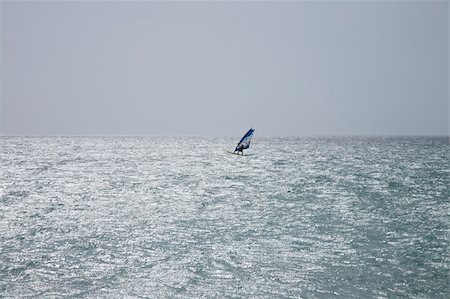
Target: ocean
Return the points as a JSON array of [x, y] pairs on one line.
[[178, 217]]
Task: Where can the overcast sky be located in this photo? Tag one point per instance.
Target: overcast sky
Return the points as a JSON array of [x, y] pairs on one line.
[[218, 68]]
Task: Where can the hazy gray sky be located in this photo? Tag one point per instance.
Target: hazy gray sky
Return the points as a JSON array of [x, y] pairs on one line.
[[217, 68]]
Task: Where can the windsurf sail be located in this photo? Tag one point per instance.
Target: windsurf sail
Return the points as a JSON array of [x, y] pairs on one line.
[[245, 141]]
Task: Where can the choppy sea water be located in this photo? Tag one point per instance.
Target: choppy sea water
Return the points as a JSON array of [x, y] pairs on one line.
[[179, 217]]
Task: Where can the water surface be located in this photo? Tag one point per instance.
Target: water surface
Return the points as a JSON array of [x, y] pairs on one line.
[[179, 217]]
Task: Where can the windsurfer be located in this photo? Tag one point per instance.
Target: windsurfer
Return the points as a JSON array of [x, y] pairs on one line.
[[244, 143]]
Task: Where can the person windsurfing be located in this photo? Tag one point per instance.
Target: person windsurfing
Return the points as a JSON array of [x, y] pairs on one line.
[[244, 143]]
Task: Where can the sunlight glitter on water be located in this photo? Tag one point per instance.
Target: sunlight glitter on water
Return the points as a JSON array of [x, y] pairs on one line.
[[179, 217]]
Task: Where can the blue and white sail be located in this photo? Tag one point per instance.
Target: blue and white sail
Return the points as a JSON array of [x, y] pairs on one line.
[[245, 141]]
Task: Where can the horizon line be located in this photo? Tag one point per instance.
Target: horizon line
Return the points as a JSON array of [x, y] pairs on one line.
[[219, 136]]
